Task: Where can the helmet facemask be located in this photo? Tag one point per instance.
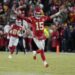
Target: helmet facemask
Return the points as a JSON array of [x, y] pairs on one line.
[[18, 22], [38, 13]]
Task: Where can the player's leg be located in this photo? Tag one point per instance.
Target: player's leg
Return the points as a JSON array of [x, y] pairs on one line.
[[24, 46], [12, 45], [34, 49], [40, 45]]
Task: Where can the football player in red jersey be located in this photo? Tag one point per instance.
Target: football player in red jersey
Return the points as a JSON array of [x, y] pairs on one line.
[[14, 33], [37, 25]]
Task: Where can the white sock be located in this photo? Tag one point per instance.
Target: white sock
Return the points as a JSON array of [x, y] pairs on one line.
[[45, 62], [34, 53]]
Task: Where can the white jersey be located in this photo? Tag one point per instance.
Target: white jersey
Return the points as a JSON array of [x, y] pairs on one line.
[[6, 29], [27, 28], [25, 24]]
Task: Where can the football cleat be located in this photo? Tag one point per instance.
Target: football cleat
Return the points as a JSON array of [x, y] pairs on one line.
[[34, 57], [9, 56], [46, 65]]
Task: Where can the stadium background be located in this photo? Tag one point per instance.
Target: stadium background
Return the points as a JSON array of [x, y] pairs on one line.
[[65, 22]]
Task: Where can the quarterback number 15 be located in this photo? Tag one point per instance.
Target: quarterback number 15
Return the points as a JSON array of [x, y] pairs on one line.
[[39, 26]]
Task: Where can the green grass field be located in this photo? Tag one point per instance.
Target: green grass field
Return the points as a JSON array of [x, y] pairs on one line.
[[62, 64]]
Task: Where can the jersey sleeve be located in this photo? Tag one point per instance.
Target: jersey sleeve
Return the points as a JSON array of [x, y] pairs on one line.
[[47, 18], [25, 18]]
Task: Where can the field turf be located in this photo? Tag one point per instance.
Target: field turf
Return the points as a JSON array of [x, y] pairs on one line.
[[23, 64]]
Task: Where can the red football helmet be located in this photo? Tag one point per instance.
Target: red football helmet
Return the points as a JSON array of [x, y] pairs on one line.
[[38, 12]]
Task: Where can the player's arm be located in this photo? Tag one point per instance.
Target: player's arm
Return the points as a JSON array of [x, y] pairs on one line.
[[23, 6], [22, 16], [56, 14]]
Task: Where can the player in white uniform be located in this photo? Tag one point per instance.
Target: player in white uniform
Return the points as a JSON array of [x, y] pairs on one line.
[[14, 33]]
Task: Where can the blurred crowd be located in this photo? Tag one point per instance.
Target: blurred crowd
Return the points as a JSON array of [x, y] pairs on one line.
[[62, 26]]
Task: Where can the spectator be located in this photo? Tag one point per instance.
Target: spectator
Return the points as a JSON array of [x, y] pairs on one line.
[[9, 7], [1, 9], [2, 40]]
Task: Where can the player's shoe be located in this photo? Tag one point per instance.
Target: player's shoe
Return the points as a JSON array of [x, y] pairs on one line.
[[10, 57], [34, 57], [46, 64]]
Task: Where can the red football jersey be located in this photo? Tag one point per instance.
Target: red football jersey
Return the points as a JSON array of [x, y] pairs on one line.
[[38, 26], [15, 30]]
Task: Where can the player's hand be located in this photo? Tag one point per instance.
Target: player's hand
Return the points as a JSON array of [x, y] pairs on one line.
[[62, 9]]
